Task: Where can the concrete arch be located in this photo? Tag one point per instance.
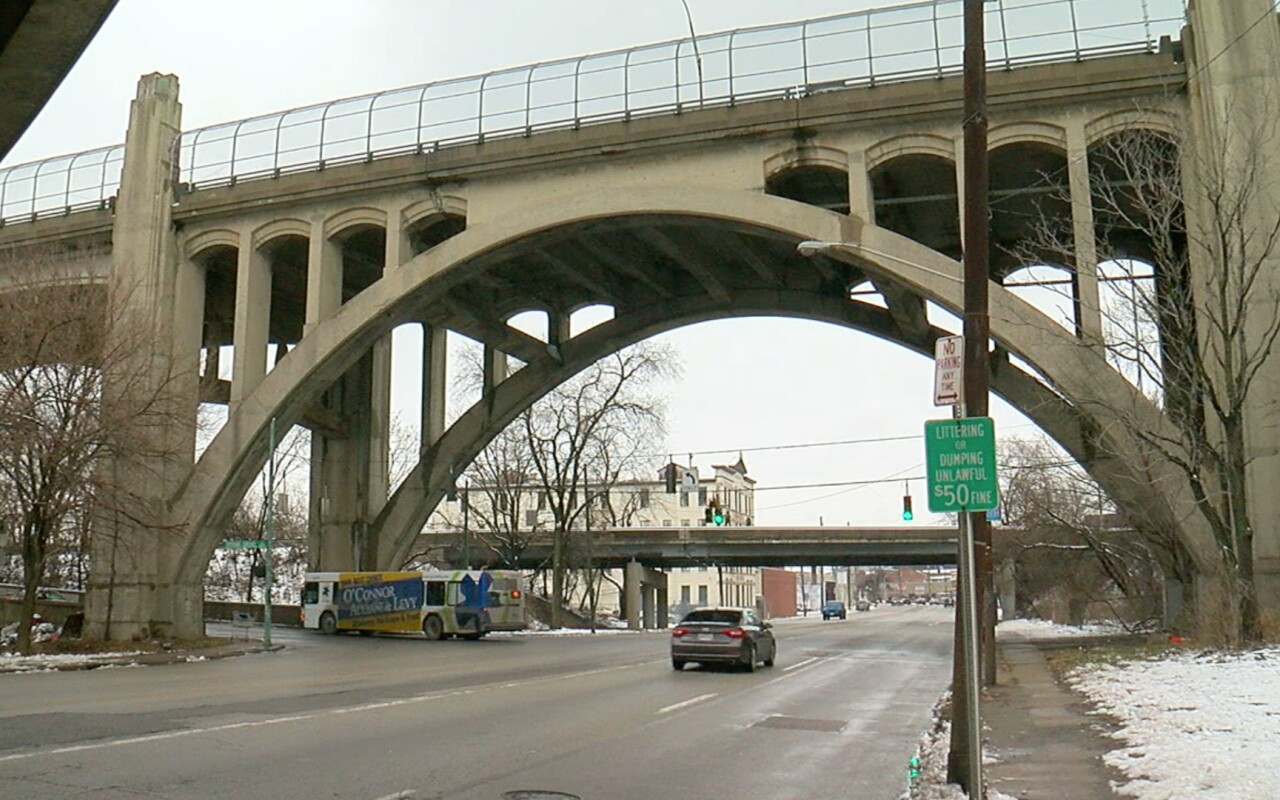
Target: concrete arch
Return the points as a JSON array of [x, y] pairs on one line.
[[806, 156], [911, 144], [277, 228], [438, 205], [1099, 128], [1080, 375], [205, 240], [1044, 133], [353, 217]]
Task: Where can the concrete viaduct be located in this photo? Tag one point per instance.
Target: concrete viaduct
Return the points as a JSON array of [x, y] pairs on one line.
[[303, 239]]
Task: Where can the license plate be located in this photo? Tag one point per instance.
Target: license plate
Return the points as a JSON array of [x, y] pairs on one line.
[[703, 637]]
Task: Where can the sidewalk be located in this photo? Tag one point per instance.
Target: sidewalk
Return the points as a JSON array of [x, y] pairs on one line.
[[1045, 743], [64, 662]]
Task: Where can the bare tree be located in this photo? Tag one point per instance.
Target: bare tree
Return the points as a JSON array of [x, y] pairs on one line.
[[1188, 236], [56, 431], [1064, 540]]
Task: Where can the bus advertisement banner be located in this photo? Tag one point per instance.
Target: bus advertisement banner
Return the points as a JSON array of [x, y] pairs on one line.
[[380, 601]]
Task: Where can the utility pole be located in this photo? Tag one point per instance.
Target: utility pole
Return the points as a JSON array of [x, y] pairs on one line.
[[964, 763]]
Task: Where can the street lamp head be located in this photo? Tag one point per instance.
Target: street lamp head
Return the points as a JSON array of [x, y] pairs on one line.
[[813, 247]]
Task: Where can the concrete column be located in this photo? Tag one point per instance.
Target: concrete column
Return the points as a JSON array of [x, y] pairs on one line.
[[398, 250], [495, 368], [1087, 300], [647, 605], [1234, 64], [340, 477], [632, 589], [153, 320], [324, 277], [253, 320], [434, 383], [380, 426], [664, 609], [861, 198]]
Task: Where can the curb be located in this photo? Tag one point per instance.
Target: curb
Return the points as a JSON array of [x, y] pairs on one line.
[[147, 659]]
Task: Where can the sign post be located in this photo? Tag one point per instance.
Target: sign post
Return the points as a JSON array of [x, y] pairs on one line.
[[960, 470]]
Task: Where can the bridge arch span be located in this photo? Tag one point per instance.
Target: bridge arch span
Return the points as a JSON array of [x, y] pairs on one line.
[[1085, 392]]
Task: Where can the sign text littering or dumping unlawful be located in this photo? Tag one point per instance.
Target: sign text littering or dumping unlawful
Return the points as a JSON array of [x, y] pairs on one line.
[[960, 464]]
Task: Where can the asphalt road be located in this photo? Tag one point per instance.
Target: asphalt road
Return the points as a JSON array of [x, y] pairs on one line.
[[601, 717]]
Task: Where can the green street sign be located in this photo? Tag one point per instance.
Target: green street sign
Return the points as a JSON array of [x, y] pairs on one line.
[[960, 464], [244, 544]]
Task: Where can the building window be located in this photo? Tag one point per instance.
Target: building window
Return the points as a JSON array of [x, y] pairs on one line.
[[666, 523], [684, 499], [684, 523], [684, 594], [702, 594], [530, 517], [702, 495], [644, 498]]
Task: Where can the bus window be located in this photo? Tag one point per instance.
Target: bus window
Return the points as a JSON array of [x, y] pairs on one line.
[[310, 593], [435, 593]]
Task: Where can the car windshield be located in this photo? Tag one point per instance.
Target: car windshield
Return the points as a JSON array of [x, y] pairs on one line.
[[714, 615]]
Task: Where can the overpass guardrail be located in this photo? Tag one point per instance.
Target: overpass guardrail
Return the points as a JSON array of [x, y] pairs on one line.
[[865, 48]]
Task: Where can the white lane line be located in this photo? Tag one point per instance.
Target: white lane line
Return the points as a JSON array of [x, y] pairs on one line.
[[690, 702], [806, 662], [406, 794], [421, 698]]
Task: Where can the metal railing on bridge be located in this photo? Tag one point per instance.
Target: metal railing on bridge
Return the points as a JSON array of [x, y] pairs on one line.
[[898, 43]]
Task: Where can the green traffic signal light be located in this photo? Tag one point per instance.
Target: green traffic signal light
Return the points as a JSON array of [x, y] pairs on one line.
[[718, 517], [906, 508]]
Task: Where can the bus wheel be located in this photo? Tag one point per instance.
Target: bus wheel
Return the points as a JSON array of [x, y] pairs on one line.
[[328, 623], [433, 628]]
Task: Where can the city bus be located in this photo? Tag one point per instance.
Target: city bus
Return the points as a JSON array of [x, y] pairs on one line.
[[463, 603]]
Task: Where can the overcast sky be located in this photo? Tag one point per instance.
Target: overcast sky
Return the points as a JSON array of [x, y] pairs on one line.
[[746, 384]]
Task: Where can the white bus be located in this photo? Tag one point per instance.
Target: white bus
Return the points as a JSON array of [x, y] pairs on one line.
[[464, 603]]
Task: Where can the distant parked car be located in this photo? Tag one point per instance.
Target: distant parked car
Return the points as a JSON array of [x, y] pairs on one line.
[[723, 635], [862, 605], [834, 608]]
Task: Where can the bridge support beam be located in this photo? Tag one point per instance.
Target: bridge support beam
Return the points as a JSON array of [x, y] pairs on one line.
[[644, 597], [1235, 90], [349, 472], [150, 390]]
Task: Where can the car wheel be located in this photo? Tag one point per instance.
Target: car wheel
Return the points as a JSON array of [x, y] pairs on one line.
[[773, 653], [677, 664], [433, 628], [328, 623], [749, 658]]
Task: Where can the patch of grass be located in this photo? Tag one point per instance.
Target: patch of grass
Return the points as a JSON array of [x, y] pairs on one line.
[[1067, 659]]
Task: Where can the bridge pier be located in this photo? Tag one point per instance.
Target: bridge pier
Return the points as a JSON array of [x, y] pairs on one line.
[[152, 341], [644, 597], [1235, 92]]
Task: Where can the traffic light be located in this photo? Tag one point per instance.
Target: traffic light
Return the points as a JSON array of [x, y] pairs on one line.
[[718, 516], [906, 508], [671, 478], [708, 517], [913, 770]]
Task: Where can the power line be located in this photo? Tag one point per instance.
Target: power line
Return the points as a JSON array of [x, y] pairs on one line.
[[805, 445]]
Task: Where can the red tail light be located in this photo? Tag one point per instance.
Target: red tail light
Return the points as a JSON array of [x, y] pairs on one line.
[[515, 594], [678, 632], [735, 633]]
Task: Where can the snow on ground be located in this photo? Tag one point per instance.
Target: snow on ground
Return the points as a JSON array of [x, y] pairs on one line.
[[1040, 629], [1193, 726], [12, 662]]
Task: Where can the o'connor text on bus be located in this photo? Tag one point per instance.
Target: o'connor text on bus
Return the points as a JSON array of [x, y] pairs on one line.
[[961, 464]]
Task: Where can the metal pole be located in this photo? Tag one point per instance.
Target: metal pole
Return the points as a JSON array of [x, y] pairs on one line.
[[970, 617], [268, 534], [466, 533]]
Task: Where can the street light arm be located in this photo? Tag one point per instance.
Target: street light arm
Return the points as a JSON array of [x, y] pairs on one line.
[[813, 247]]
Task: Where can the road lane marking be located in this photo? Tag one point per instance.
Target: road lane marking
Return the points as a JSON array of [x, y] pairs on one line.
[[686, 703], [176, 734], [806, 662]]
